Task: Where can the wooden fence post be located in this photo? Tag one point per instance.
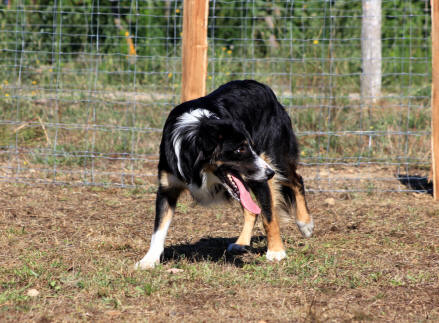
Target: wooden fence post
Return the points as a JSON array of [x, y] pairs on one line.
[[435, 96], [194, 55]]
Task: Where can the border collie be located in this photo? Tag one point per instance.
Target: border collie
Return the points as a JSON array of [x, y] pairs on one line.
[[220, 147]]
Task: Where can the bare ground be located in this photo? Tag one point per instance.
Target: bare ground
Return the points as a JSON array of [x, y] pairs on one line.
[[373, 257]]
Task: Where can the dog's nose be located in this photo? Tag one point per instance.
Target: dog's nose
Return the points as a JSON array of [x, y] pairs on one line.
[[269, 173]]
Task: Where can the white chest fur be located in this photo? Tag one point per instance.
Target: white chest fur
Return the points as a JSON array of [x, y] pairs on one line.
[[211, 190]]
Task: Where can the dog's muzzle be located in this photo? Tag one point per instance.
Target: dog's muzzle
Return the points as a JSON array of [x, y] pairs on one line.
[[264, 172], [269, 173]]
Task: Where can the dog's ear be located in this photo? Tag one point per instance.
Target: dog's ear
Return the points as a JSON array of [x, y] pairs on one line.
[[210, 134], [208, 140]]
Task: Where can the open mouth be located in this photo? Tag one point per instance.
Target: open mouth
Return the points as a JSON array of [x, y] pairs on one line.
[[239, 192], [231, 187]]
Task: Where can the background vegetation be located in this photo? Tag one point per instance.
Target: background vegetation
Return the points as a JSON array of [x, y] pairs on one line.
[[82, 79]]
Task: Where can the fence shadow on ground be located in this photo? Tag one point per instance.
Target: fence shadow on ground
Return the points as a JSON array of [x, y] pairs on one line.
[[417, 183], [211, 249]]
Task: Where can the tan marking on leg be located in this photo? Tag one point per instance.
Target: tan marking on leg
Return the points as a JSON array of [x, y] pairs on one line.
[[272, 228], [164, 179], [303, 220], [273, 234], [275, 192], [167, 180], [302, 213], [169, 213], [152, 257], [274, 184], [246, 233], [283, 207]]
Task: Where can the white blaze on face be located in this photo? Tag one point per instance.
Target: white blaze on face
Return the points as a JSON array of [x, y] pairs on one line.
[[263, 167], [186, 128]]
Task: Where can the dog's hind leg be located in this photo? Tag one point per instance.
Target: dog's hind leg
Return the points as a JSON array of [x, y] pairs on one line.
[[266, 196], [165, 206], [303, 219], [246, 233]]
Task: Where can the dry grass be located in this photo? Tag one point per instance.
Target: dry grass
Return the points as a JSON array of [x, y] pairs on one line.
[[373, 258]]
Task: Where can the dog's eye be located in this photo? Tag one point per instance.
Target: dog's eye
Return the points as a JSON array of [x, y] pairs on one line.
[[241, 149]]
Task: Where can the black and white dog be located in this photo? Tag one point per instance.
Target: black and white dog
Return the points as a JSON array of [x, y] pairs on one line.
[[219, 147]]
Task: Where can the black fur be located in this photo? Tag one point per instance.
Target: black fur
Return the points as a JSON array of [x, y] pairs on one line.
[[246, 110], [221, 146], [242, 112]]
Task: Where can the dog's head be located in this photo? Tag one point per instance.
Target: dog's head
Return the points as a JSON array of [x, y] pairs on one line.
[[226, 150]]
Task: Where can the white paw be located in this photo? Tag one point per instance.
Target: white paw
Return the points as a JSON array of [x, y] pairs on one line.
[[306, 228], [236, 248], [147, 262], [276, 255]]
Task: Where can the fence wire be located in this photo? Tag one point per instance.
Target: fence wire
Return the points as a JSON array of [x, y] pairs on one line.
[[85, 88]]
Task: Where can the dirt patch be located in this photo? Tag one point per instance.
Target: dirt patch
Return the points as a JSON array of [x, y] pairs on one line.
[[374, 257]]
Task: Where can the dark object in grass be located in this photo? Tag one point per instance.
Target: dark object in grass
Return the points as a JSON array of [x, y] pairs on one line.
[[416, 183]]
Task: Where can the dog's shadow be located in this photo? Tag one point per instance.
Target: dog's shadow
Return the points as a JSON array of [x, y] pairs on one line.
[[212, 249]]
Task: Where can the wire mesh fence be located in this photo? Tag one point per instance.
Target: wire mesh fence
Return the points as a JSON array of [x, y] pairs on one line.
[[86, 86]]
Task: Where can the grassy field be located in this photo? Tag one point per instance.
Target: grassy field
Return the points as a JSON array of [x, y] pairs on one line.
[[373, 258]]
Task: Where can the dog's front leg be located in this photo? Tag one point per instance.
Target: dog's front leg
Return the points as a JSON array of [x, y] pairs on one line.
[[265, 197], [246, 233], [165, 207]]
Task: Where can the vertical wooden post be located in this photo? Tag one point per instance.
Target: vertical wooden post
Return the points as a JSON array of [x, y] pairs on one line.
[[371, 51], [435, 96], [194, 55]]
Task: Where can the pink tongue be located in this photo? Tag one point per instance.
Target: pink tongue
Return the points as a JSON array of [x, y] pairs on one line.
[[245, 197]]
